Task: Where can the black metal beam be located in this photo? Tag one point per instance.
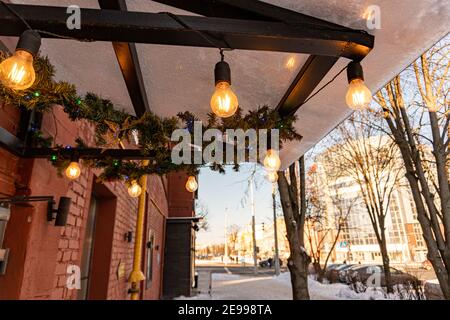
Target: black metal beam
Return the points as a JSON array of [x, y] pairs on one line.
[[248, 10], [309, 76], [128, 60], [312, 72], [88, 153], [3, 47], [159, 28], [10, 142]]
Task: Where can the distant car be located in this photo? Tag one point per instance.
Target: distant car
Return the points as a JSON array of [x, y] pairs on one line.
[[332, 266], [329, 268], [361, 273], [264, 264], [267, 263], [333, 275], [342, 273]]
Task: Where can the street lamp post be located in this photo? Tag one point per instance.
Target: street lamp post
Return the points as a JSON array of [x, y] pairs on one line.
[[225, 258], [275, 231], [255, 258]]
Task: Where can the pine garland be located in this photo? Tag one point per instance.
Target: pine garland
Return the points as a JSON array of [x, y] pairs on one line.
[[113, 126], [45, 91]]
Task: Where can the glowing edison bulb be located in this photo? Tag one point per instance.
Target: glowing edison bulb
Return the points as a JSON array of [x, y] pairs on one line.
[[272, 176], [17, 72], [358, 95], [224, 102], [73, 171], [272, 161], [134, 190], [191, 184]]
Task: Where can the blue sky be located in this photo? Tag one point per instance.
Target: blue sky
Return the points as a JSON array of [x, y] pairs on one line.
[[230, 190]]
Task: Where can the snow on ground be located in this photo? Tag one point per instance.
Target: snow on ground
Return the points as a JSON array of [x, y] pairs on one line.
[[238, 287]]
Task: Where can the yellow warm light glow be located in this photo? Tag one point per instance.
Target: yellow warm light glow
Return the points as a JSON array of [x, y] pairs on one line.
[[272, 161], [368, 14], [272, 176], [73, 171], [290, 63], [134, 190], [191, 184], [17, 72], [358, 95], [224, 102]]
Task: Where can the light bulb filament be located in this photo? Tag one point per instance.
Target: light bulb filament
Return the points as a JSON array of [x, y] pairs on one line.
[[272, 161], [134, 190], [17, 71], [73, 171], [16, 75], [224, 102], [191, 184]]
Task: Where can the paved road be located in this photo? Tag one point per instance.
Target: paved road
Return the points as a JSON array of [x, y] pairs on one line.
[[237, 269]]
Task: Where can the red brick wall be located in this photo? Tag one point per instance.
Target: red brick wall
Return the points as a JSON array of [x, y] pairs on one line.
[[41, 252], [156, 221], [180, 200]]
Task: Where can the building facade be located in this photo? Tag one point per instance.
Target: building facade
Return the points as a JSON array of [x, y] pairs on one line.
[[341, 197], [97, 241], [265, 241]]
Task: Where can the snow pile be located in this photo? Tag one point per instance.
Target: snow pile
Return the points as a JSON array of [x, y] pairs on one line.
[[238, 287], [334, 291]]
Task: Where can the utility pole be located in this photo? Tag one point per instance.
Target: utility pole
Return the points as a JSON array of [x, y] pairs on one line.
[[275, 232], [252, 199], [225, 258]]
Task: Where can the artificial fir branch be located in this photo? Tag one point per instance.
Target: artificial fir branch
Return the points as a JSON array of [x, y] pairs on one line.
[[113, 125]]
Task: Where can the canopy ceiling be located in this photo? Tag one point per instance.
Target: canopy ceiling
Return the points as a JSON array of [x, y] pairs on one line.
[[181, 78]]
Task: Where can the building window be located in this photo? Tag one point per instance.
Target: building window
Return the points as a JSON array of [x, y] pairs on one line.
[[149, 247], [420, 242]]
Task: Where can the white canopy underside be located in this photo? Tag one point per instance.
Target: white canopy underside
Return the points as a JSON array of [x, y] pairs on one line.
[[181, 78]]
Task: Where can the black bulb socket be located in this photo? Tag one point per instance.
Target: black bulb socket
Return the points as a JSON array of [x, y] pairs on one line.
[[222, 72], [29, 41], [354, 71]]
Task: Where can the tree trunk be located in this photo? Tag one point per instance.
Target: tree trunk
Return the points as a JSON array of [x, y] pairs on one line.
[[318, 270], [320, 274], [399, 124], [299, 275], [386, 266], [298, 260]]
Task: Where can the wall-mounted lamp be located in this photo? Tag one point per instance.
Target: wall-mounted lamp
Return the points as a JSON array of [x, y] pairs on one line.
[[58, 214]]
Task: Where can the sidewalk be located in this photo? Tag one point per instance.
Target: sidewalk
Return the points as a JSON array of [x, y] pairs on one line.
[[239, 287]]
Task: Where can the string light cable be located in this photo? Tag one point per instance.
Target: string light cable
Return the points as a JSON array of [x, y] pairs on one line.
[[56, 35], [324, 86], [200, 33]]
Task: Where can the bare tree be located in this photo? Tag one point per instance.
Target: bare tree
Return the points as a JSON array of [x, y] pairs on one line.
[[233, 232], [320, 228], [201, 210], [293, 202], [371, 160], [415, 106], [214, 250]]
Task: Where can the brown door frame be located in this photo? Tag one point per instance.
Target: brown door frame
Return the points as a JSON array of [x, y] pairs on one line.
[[100, 263]]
